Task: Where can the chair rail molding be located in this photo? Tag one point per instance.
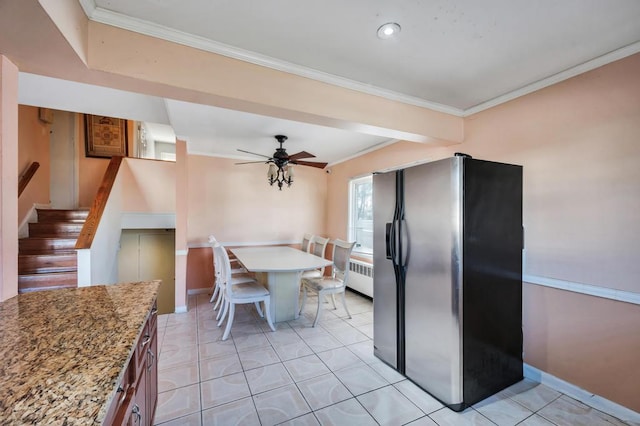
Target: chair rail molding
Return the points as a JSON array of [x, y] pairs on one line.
[[199, 244], [591, 290]]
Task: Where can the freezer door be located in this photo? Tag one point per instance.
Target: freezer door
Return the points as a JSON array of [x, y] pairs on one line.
[[385, 326], [433, 278], [492, 338]]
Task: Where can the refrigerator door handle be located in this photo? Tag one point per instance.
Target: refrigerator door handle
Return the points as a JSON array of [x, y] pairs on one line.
[[392, 242], [391, 237], [395, 242], [404, 241], [388, 238]]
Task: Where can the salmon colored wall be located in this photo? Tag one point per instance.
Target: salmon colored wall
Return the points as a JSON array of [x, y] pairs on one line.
[[200, 268], [9, 179], [578, 143], [33, 145], [236, 203], [149, 186], [588, 341]]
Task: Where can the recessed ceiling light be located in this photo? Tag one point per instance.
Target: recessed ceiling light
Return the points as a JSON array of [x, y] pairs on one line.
[[388, 30]]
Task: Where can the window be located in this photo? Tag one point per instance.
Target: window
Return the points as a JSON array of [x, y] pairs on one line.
[[361, 214]]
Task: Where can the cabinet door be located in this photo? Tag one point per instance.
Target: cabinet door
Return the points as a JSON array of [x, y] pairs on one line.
[[138, 415], [152, 377]]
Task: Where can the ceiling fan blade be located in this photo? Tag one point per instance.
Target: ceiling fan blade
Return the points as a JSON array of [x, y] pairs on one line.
[[301, 154], [310, 164], [252, 162], [253, 153]]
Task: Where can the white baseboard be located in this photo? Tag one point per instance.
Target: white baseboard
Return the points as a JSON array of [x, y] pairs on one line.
[[181, 309], [198, 291], [599, 403]]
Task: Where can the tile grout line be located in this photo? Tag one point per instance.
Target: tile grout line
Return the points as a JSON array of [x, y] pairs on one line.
[[302, 338]]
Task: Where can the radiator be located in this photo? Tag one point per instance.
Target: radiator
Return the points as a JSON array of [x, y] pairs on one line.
[[361, 277]]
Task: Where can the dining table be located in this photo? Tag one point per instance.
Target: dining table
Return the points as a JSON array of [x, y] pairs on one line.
[[279, 269]]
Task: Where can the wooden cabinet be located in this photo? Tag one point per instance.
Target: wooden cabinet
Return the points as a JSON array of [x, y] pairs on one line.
[[139, 415], [152, 368], [137, 396]]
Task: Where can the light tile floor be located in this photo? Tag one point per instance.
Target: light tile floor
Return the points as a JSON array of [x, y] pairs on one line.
[[300, 375]]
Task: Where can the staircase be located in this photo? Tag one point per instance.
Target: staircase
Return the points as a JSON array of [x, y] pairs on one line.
[[47, 258]]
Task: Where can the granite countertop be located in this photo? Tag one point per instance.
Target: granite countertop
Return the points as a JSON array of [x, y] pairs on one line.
[[63, 352]]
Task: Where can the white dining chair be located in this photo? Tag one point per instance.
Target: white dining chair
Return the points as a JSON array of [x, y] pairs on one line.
[[234, 294], [234, 271], [319, 247], [335, 284], [306, 242]]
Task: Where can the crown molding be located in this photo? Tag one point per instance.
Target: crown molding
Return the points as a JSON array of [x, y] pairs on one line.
[[89, 7], [141, 26], [557, 78]]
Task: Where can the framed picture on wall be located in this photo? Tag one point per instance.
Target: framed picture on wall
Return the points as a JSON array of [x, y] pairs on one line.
[[105, 137]]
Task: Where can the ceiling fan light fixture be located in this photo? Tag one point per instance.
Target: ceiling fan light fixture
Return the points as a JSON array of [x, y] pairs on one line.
[[281, 164], [273, 172], [388, 30]]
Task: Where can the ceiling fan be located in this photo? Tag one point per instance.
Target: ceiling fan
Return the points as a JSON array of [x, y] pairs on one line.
[[281, 159], [280, 163]]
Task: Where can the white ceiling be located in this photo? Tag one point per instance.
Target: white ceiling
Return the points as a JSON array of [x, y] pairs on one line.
[[454, 56]]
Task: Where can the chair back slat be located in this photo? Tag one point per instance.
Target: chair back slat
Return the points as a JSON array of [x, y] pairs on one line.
[[306, 242], [216, 258], [319, 247], [225, 265], [218, 265], [341, 257]]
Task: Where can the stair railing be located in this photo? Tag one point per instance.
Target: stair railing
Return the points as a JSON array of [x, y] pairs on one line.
[[26, 177], [99, 203]]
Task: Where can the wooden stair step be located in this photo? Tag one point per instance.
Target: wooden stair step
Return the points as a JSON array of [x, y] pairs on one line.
[[55, 229], [43, 245], [47, 263], [58, 215], [55, 280]]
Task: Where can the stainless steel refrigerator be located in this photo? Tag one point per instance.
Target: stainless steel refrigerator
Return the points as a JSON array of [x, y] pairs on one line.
[[447, 298]]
